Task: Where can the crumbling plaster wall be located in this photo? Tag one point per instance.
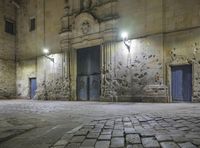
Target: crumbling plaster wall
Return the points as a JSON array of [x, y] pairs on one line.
[[136, 75], [25, 70], [7, 52], [52, 81]]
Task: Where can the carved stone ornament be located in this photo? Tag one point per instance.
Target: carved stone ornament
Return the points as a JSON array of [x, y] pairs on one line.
[[85, 24], [85, 27], [86, 4], [67, 7]]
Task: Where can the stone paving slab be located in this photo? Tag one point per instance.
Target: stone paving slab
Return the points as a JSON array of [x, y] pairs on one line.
[[102, 144], [52, 119], [13, 131], [133, 139], [117, 142], [136, 131], [169, 145]]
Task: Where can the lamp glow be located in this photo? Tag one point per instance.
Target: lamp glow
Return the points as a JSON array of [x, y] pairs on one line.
[[46, 51], [124, 35]]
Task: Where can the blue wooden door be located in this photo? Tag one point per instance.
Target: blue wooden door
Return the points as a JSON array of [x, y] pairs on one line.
[[94, 87], [82, 88], [182, 83], [88, 73], [33, 87]]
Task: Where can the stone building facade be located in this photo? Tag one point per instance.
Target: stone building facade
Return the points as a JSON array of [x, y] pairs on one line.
[[7, 51], [162, 34]]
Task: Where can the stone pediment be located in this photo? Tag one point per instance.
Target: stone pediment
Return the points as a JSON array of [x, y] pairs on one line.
[[90, 25], [85, 24]]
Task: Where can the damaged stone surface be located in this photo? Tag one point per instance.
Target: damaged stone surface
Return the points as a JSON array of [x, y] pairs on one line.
[[58, 90], [7, 52], [7, 79], [136, 74]]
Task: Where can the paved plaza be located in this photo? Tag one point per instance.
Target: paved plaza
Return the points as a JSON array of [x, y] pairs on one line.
[[59, 124]]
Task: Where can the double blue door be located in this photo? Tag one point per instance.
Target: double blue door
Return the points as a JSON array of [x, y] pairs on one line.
[[89, 87], [182, 83], [88, 70], [33, 87]]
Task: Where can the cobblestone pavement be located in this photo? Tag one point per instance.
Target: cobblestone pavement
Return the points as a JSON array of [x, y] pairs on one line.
[[44, 124], [136, 131]]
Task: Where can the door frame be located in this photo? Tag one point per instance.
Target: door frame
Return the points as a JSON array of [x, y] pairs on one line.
[[30, 85], [170, 79]]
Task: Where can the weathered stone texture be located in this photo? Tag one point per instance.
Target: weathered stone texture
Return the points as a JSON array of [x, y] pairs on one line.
[[53, 82], [138, 74], [183, 48], [161, 32], [25, 71], [7, 52], [7, 79]]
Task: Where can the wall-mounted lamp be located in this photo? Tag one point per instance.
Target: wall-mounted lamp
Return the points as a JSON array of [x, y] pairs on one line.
[[15, 4], [46, 53], [124, 36]]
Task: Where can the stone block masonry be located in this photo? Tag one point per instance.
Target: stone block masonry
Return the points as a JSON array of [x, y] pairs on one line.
[[7, 52], [7, 79]]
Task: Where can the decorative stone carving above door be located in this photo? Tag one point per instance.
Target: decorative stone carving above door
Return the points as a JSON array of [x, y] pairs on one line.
[[85, 27], [86, 4], [90, 25], [86, 24]]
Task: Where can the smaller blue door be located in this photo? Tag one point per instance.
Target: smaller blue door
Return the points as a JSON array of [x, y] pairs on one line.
[[182, 83], [33, 87]]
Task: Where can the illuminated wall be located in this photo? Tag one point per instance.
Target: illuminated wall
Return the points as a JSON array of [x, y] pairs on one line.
[[162, 33]]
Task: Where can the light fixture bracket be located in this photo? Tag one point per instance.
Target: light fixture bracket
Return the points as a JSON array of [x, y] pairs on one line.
[[126, 41], [51, 59], [127, 44]]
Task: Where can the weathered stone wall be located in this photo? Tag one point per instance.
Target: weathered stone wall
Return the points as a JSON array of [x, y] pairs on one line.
[[183, 48], [140, 17], [136, 75], [7, 79], [53, 82], [25, 70], [48, 25], [180, 14], [7, 52], [162, 32]]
